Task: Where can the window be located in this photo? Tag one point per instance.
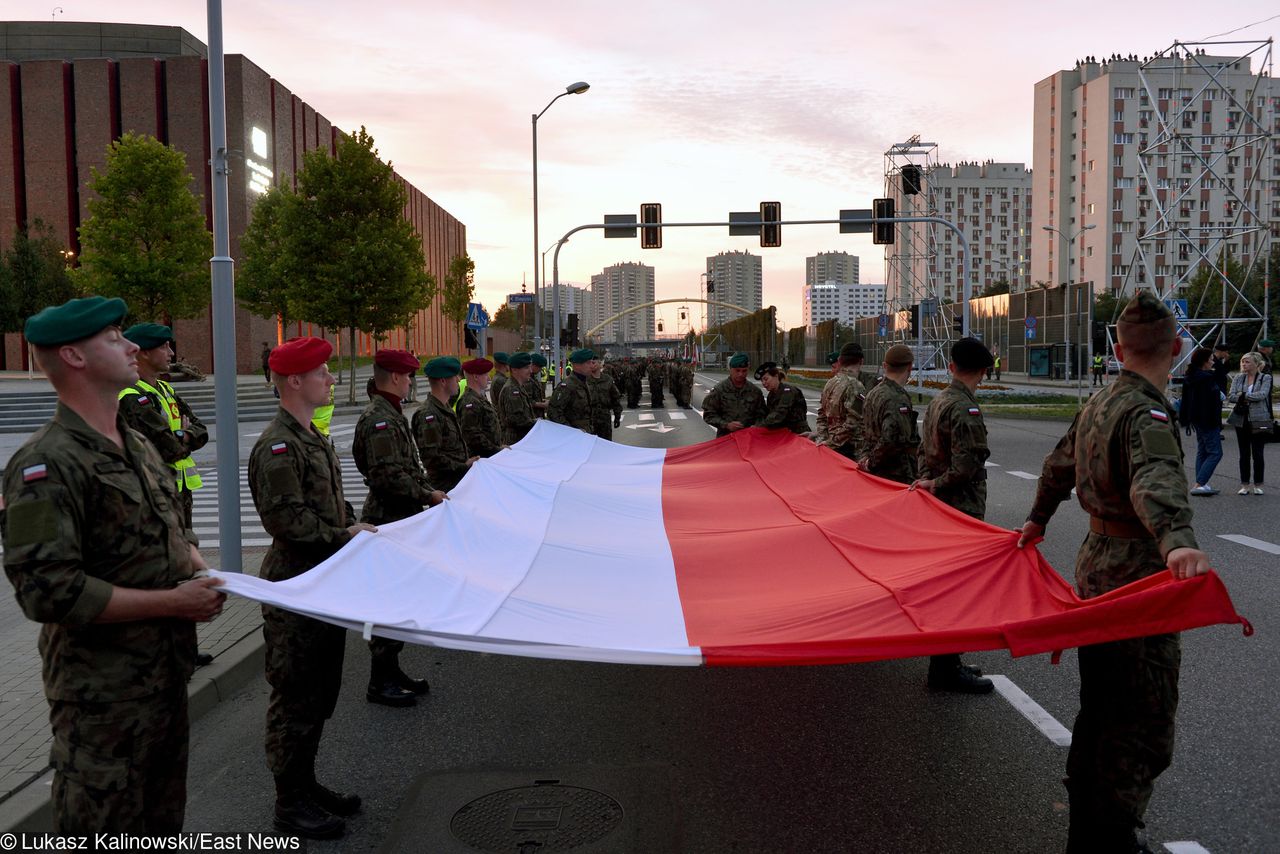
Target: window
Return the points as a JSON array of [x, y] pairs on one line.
[[1124, 183], [1124, 93], [1090, 165], [1091, 208], [1124, 139]]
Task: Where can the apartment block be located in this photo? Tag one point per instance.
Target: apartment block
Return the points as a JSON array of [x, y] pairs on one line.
[[831, 267], [842, 302], [615, 289], [738, 280]]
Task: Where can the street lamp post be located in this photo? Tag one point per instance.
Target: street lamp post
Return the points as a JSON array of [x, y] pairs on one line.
[[572, 89], [1066, 311]]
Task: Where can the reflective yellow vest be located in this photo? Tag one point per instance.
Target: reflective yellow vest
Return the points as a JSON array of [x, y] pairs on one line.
[[462, 387], [324, 415], [185, 468]]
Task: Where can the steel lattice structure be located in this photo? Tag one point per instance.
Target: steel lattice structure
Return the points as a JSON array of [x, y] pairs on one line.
[[910, 268]]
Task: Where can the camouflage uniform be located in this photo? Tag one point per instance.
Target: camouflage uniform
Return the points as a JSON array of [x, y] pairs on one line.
[[953, 450], [684, 385], [495, 391], [439, 437], [536, 390], [656, 377], [84, 515], [606, 405], [479, 422], [634, 388], [1123, 456], [571, 403], [840, 413], [726, 403], [296, 482], [785, 408], [515, 411], [150, 408], [889, 437]]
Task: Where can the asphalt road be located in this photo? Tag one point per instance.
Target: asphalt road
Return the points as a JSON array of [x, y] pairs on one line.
[[807, 759]]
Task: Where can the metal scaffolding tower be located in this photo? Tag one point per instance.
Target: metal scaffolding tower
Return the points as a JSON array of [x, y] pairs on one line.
[[1212, 134], [910, 268]]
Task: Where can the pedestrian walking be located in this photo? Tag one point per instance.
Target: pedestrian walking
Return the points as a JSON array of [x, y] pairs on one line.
[[1201, 410], [97, 551], [1250, 402], [1123, 458]]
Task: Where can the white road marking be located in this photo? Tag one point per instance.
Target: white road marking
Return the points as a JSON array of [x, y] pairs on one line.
[[991, 465], [1032, 711], [646, 416], [1025, 475], [1260, 545], [1185, 848], [676, 416]]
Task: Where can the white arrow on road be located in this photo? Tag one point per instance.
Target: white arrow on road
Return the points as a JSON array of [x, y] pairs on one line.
[[662, 428]]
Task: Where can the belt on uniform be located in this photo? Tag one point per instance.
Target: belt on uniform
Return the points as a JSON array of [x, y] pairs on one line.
[[1126, 530]]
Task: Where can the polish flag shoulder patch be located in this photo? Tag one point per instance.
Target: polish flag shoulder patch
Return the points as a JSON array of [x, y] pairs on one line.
[[380, 425], [31, 474], [279, 448], [973, 410], [904, 409], [143, 399], [1160, 415], [429, 418]]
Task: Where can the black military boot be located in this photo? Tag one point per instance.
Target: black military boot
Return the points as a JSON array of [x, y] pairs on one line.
[[383, 688], [946, 673], [297, 812], [408, 683], [338, 803]]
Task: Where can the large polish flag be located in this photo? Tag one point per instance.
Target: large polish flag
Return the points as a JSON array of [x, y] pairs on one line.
[[756, 548]]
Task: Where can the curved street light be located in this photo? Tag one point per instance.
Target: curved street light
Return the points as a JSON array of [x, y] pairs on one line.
[[572, 89]]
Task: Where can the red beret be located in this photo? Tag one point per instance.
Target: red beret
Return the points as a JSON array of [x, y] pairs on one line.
[[477, 366], [396, 361], [299, 355]]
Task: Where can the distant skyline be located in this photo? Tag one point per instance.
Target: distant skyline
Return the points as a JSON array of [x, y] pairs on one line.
[[704, 107]]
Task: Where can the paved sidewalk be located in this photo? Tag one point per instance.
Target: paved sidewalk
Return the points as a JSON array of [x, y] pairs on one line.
[[234, 639]]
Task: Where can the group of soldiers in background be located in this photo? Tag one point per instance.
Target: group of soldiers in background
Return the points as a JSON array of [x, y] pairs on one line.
[[663, 374]]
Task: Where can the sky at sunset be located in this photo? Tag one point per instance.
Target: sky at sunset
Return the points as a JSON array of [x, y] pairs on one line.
[[702, 105]]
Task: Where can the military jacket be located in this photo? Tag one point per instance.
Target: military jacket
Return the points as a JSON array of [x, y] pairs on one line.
[[146, 413], [606, 404], [657, 374], [439, 437], [479, 422], [1124, 459], [727, 403], [536, 390], [84, 515], [515, 411], [495, 390], [387, 457], [953, 450], [785, 408], [296, 482], [890, 439], [571, 403], [840, 411]]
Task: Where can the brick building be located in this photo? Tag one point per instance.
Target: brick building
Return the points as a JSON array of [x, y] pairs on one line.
[[68, 89]]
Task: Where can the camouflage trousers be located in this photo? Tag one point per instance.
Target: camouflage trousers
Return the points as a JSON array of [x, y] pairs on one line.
[[1123, 736], [304, 669], [120, 766]]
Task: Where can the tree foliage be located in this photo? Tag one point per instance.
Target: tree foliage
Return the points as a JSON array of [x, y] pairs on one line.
[[265, 282], [357, 261], [459, 287], [145, 239], [505, 318], [33, 274], [1244, 297]]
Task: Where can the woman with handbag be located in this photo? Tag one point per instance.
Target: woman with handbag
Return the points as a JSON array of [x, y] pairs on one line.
[[1250, 402], [1201, 410]]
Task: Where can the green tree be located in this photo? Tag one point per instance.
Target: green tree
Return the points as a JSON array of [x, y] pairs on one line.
[[505, 318], [34, 273], [459, 287], [265, 283], [999, 287], [359, 261], [145, 239]]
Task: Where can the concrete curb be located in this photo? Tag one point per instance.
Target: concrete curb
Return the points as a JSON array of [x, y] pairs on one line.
[[29, 809]]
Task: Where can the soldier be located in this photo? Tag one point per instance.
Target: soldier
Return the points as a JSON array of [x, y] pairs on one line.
[[684, 384], [571, 403], [1267, 348], [501, 374], [656, 376], [436, 428], [634, 385], [387, 457], [515, 410], [785, 407], [606, 400], [155, 410], [476, 415], [952, 464], [735, 402], [840, 407], [889, 436], [296, 482], [97, 551], [266, 362], [832, 358], [536, 385], [1124, 459]]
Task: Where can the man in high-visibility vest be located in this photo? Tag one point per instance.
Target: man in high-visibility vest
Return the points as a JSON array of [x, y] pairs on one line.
[[155, 410], [1099, 370]]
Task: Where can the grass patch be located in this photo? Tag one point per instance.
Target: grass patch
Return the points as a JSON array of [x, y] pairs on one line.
[[1044, 412], [988, 399]]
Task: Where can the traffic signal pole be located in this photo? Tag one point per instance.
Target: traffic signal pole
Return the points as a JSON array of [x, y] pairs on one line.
[[857, 221]]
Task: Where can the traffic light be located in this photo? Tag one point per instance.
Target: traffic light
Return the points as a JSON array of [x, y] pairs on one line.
[[770, 235], [882, 233], [573, 329], [915, 320], [957, 322], [650, 235], [711, 287]]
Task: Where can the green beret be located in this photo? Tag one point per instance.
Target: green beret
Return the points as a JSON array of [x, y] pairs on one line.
[[521, 360], [149, 335], [1145, 308], [538, 359], [502, 358], [74, 320], [442, 367], [739, 360], [833, 357], [577, 357], [1266, 342]]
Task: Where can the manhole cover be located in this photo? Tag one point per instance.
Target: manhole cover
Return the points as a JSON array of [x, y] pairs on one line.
[[539, 818]]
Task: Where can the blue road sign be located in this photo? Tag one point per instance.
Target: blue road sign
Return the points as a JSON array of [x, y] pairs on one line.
[[1178, 307], [476, 317], [1031, 333], [1031, 323], [883, 331], [519, 299]]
